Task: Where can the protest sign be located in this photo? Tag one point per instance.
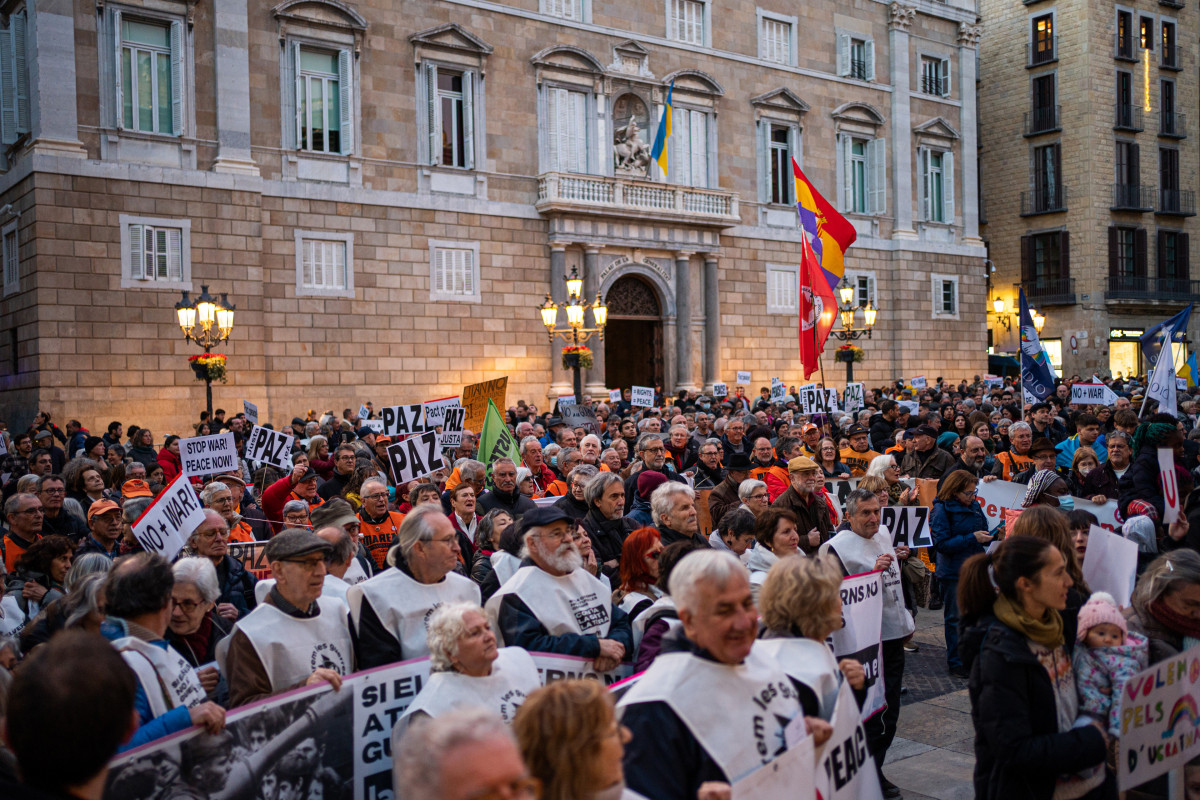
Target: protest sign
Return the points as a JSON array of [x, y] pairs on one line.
[[1160, 725], [918, 382], [435, 410], [553, 667], [403, 420], [581, 417], [912, 405], [381, 696], [269, 447], [251, 412], [1092, 394], [1110, 564], [375, 425], [164, 527], [363, 412], [840, 490], [642, 397], [720, 390], [452, 427], [845, 768], [778, 390], [565, 400], [415, 457], [1166, 476], [995, 497], [743, 378], [926, 491], [993, 381], [475, 400], [703, 515], [1181, 384], [861, 638], [252, 556], [614, 395], [789, 775], [853, 399], [206, 455], [909, 525], [817, 400]]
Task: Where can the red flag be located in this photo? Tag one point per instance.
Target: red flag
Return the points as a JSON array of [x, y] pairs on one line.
[[817, 308]]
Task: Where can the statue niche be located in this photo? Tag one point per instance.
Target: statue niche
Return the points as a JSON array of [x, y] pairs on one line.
[[631, 153]]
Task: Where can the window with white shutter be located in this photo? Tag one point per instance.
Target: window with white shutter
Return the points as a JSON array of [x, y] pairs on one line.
[[686, 21], [945, 296], [565, 9], [14, 80], [10, 252], [454, 271], [775, 39], [150, 80], [864, 287], [155, 253], [783, 289], [449, 120], [324, 264], [566, 130], [687, 150]]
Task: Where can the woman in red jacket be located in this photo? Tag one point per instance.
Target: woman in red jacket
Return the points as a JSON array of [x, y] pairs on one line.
[[168, 458]]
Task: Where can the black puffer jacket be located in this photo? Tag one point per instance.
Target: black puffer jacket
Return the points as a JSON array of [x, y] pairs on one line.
[[1140, 482], [1018, 749], [608, 537]]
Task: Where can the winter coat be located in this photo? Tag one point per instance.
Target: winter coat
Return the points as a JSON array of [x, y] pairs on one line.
[[882, 432], [608, 537], [1140, 482], [935, 463], [145, 455], [1162, 642], [953, 527], [722, 500], [516, 504], [237, 585], [170, 463], [809, 515], [1101, 673], [1101, 481], [640, 512]]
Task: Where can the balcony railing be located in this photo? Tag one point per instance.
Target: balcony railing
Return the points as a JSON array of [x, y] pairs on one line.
[[1171, 3], [1050, 291], [1132, 197], [1172, 124], [1128, 118], [1042, 119], [858, 69], [563, 192], [931, 84], [1041, 52], [1046, 200], [1123, 47], [1141, 287], [1181, 202]]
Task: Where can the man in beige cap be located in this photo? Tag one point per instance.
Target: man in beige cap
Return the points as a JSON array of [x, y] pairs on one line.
[[804, 499]]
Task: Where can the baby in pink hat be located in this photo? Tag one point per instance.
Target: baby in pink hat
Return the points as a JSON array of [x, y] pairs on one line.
[[1107, 656]]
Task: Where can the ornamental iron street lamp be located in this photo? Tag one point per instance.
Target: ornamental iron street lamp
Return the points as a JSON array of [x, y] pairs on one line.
[[207, 321], [575, 334], [1003, 316], [848, 332]]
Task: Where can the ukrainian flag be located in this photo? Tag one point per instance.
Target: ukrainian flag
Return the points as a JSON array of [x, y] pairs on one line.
[[831, 234], [659, 153]]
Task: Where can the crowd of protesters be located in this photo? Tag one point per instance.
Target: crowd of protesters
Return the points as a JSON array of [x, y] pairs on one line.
[[474, 565]]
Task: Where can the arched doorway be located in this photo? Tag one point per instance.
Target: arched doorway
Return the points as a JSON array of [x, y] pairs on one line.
[[633, 338]]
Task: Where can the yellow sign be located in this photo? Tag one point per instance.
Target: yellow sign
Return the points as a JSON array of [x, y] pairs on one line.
[[475, 400]]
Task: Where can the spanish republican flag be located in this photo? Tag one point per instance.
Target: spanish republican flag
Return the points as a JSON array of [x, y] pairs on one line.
[[831, 233], [817, 307], [659, 153]]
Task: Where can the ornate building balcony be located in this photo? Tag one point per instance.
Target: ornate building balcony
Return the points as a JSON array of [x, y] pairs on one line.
[[560, 192]]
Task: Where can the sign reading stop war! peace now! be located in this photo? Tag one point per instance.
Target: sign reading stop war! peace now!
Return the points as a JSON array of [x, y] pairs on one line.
[[164, 527], [206, 455]]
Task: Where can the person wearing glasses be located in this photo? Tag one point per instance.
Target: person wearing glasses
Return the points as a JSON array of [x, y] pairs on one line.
[[295, 637], [52, 491], [195, 628], [707, 472], [379, 525], [344, 458], [211, 540], [389, 611], [25, 516]]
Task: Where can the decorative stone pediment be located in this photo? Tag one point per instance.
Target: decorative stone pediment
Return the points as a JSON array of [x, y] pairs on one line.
[[694, 81], [858, 112], [566, 57], [332, 13], [630, 58], [782, 101], [936, 129], [452, 37]]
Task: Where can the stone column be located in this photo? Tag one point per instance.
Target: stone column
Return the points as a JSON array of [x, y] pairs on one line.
[[712, 322], [233, 88], [50, 47], [900, 19], [683, 322], [968, 48], [560, 379], [594, 381]]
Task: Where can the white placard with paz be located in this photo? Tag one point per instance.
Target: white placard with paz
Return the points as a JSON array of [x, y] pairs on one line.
[[208, 455], [720, 390], [854, 399], [1166, 474], [251, 412], [614, 395], [1110, 564], [269, 447], [403, 420], [778, 390], [1092, 394], [435, 410], [918, 382], [164, 527], [743, 378], [642, 396], [453, 419], [415, 457]]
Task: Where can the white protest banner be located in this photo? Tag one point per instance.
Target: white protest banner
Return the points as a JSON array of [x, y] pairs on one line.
[[164, 527], [845, 768], [720, 390], [1181, 384], [912, 405], [743, 378], [789, 775], [1110, 564], [993, 381], [580, 417], [642, 397], [251, 412], [435, 410], [817, 400], [415, 457], [206, 455], [1160, 725], [861, 638], [778, 390], [807, 386], [363, 413], [269, 447], [374, 424], [614, 395], [1166, 476], [994, 497], [853, 399], [565, 400], [553, 667], [909, 525], [403, 420], [918, 382], [381, 696], [1092, 394], [452, 426]]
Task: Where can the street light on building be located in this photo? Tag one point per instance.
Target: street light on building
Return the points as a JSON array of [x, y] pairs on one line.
[[207, 321], [575, 355], [848, 332]]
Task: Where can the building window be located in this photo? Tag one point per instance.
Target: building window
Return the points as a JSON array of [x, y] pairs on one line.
[[450, 115], [1171, 124], [1173, 259], [565, 9], [321, 99], [945, 296], [864, 287], [1169, 55], [454, 271], [10, 252], [688, 153], [1128, 175], [935, 76], [1043, 48], [937, 185], [1046, 179], [150, 86], [1047, 256], [155, 253], [324, 264], [864, 175], [1045, 103], [1168, 179], [779, 145], [776, 38], [783, 289], [14, 80], [1124, 43], [1146, 33], [566, 130], [856, 57], [1126, 258], [686, 21], [1128, 116]]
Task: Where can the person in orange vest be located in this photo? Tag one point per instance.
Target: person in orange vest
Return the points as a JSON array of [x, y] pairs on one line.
[[24, 514], [379, 525], [216, 495], [858, 455], [763, 462], [1016, 458], [568, 459]]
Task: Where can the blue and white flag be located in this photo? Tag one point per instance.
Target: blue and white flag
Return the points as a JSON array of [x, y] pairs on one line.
[[1152, 340], [1037, 373], [1162, 381]]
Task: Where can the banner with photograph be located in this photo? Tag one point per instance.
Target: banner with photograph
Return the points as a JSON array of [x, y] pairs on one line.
[[861, 638]]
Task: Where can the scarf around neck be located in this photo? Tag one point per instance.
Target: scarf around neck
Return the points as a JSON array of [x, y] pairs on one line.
[[1184, 626], [1047, 631]]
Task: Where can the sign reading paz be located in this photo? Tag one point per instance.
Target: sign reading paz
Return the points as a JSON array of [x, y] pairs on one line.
[[909, 525], [403, 420], [269, 447], [452, 426], [206, 455], [475, 399], [164, 527], [720, 390], [415, 457]]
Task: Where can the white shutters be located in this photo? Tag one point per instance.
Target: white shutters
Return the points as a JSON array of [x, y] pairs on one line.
[[433, 113], [566, 130], [944, 75], [765, 157], [14, 80], [346, 100], [177, 82], [873, 161], [454, 271], [686, 22], [843, 54], [870, 48], [845, 147], [925, 185], [468, 119], [936, 182], [783, 287], [11, 258], [698, 131], [948, 188], [323, 264], [877, 176], [155, 253], [118, 78], [775, 40], [688, 147]]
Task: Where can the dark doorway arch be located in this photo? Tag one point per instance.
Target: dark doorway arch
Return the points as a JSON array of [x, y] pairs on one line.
[[633, 338]]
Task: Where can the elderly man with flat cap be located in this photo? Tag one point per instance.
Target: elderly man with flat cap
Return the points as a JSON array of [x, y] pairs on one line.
[[551, 605], [391, 610], [296, 636], [924, 459], [804, 499]]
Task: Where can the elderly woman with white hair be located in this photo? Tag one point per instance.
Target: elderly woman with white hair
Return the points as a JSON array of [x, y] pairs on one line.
[[886, 467], [196, 628], [469, 670]]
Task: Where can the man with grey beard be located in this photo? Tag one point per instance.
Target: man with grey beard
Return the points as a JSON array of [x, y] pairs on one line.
[[550, 605]]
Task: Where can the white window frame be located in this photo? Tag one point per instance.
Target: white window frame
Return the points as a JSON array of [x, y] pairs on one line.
[[944, 69], [681, 155], [937, 286], [346, 239], [435, 296], [795, 150], [855, 278], [11, 260], [876, 174], [577, 135], [14, 79], [290, 88], [790, 305], [344, 77], [580, 10], [705, 38], [430, 113], [924, 185], [764, 17], [181, 83], [128, 281], [846, 41]]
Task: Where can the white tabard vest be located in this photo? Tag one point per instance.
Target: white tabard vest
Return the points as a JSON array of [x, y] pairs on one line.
[[634, 599], [404, 605], [575, 603], [663, 608], [291, 648], [858, 555], [505, 564], [334, 587], [355, 574], [514, 676], [168, 680], [811, 663], [737, 713]]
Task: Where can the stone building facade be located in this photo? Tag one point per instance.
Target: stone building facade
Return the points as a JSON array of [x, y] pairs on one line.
[[388, 197], [1097, 227]]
